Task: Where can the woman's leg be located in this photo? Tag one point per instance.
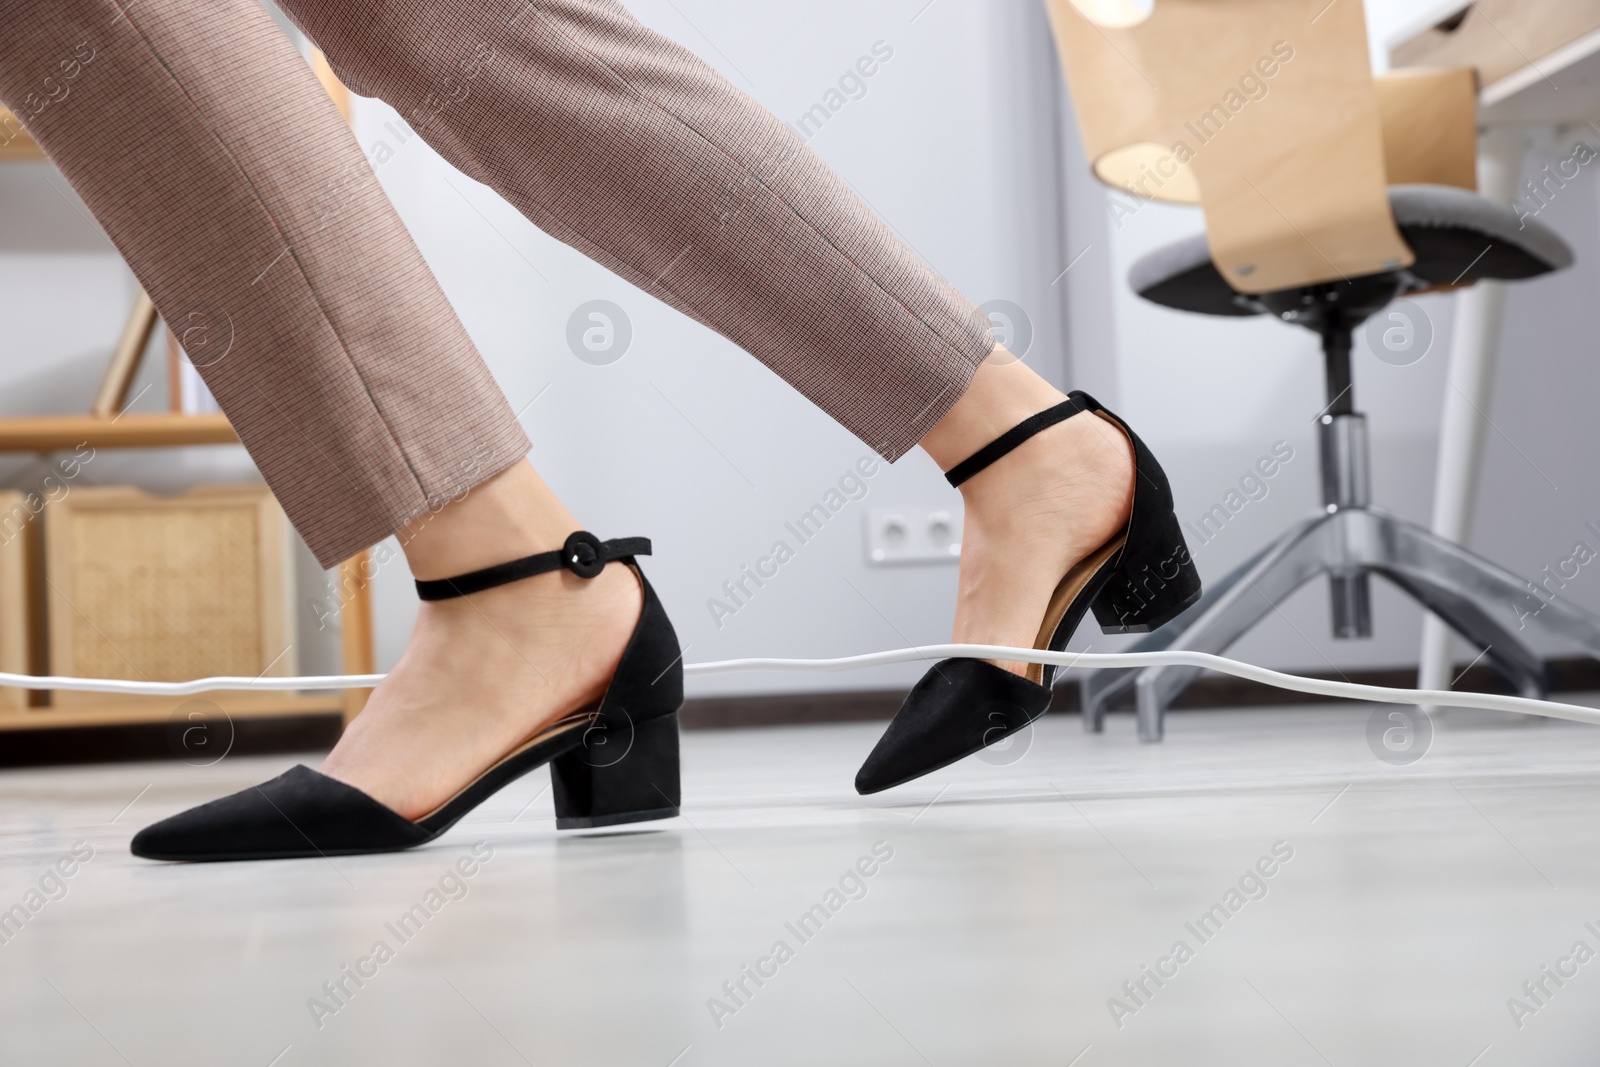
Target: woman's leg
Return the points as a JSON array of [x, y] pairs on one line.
[[482, 673], [339, 400], [631, 149], [220, 169], [1030, 517]]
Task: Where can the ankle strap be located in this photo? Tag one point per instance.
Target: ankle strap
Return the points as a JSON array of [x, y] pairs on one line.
[[584, 554], [1076, 401]]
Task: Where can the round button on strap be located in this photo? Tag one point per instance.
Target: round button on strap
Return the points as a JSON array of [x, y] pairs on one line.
[[583, 554]]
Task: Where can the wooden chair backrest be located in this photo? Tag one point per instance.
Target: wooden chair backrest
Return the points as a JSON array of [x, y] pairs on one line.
[[1266, 113]]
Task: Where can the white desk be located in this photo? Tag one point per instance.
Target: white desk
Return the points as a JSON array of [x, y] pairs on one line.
[[1555, 84]]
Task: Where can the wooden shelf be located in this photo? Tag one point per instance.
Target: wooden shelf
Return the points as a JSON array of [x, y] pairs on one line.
[[49, 433], [19, 150], [115, 710], [15, 144]]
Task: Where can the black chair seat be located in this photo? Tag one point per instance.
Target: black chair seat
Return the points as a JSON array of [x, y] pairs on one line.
[[1458, 236]]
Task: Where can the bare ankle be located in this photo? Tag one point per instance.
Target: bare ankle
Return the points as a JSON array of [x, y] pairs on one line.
[[511, 515], [1004, 392]]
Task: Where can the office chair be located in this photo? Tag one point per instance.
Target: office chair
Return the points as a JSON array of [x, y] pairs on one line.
[[1327, 195]]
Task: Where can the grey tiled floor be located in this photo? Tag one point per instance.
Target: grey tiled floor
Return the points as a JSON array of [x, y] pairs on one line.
[[1015, 902]]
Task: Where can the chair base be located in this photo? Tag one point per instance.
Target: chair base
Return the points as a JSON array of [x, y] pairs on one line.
[[1484, 603]]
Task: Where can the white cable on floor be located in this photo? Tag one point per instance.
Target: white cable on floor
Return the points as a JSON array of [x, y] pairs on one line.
[[1206, 661]]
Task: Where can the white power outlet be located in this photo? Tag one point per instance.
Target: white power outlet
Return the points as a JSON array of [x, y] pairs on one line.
[[913, 535]]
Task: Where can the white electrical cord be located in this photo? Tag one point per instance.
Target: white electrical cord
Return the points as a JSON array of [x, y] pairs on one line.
[[1206, 661]]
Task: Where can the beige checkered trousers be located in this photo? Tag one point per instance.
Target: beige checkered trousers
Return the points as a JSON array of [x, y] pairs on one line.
[[217, 165]]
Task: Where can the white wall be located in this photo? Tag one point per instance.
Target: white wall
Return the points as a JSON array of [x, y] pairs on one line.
[[962, 144]]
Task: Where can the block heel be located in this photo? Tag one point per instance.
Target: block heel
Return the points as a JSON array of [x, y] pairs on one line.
[[1141, 578], [1153, 578], [624, 772], [1145, 594]]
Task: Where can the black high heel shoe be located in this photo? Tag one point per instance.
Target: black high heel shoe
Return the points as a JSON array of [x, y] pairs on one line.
[[1140, 579], [616, 762]]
